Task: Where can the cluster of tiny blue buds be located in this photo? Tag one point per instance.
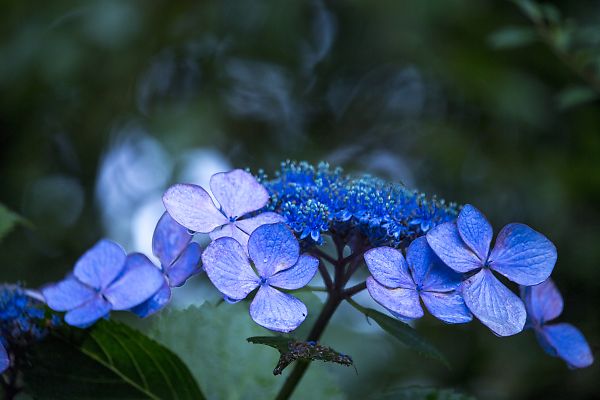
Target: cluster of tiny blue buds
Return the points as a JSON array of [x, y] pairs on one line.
[[315, 200], [22, 318]]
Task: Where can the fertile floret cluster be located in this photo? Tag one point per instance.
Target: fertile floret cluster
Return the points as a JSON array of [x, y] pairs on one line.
[[315, 200]]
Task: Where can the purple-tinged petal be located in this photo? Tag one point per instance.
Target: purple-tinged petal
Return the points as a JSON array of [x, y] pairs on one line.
[[232, 231], [428, 270], [154, 303], [567, 342], [448, 307], [138, 282], [494, 304], [169, 239], [101, 264], [185, 266], [276, 310], [238, 192], [88, 313], [389, 268], [447, 244], [298, 275], [400, 301], [523, 255], [475, 230], [249, 225], [543, 302], [67, 294], [273, 248], [4, 360], [191, 206], [228, 268]]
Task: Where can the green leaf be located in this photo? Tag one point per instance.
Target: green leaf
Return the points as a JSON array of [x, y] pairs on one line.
[[512, 37], [292, 350], [574, 96], [8, 220], [108, 361], [404, 333], [420, 393], [211, 340]]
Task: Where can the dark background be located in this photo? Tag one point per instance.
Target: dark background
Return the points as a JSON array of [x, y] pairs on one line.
[[104, 104]]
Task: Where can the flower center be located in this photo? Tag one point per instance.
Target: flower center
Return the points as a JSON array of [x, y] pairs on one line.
[[264, 281]]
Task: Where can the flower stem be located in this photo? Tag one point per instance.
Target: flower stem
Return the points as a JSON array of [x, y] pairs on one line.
[[332, 303]]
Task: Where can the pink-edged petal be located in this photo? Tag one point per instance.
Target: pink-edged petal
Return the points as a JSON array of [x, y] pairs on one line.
[[185, 266], [448, 307], [169, 239], [400, 301], [67, 294], [191, 206], [88, 313], [388, 267], [139, 281], [249, 225], [276, 310], [543, 302], [523, 255], [428, 270], [273, 248], [228, 268], [494, 304], [447, 244], [4, 359], [154, 303], [238, 192], [475, 230], [231, 230], [101, 264], [567, 342], [298, 275]]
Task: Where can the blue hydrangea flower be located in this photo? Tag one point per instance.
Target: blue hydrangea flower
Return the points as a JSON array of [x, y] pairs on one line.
[[521, 254], [4, 360], [397, 284], [238, 193], [544, 304], [275, 263], [179, 260], [22, 320], [103, 279]]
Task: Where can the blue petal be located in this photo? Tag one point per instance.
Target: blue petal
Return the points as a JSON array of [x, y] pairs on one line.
[[138, 282], [568, 343], [543, 302], [67, 294], [494, 304], [231, 230], [249, 225], [154, 303], [298, 275], [448, 307], [273, 248], [523, 255], [238, 192], [101, 264], [276, 310], [428, 270], [88, 313], [389, 268], [186, 265], [228, 268], [447, 244], [475, 230], [169, 240], [4, 360], [400, 301], [192, 207]]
